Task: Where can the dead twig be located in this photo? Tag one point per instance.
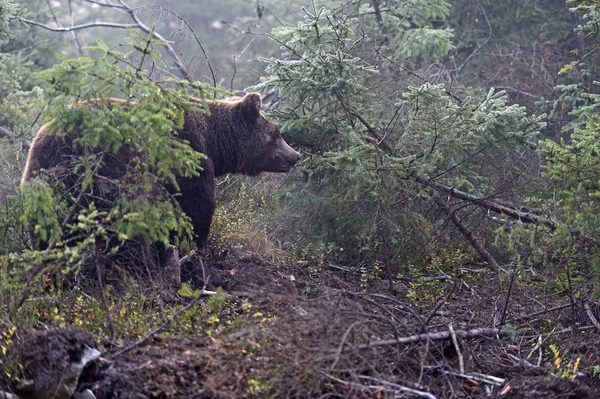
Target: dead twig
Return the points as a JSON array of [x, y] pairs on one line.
[[522, 362], [184, 258]]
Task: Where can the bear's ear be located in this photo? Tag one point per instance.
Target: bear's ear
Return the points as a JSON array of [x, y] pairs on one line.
[[251, 105]]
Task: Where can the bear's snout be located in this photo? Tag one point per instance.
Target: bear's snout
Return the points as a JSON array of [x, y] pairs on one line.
[[282, 158], [288, 154]]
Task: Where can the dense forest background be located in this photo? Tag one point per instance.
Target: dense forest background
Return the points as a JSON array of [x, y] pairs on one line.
[[440, 236]]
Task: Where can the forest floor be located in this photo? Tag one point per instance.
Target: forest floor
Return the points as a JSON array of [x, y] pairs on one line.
[[327, 335]]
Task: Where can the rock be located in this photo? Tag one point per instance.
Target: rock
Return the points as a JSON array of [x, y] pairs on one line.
[[54, 360], [7, 395], [87, 394]]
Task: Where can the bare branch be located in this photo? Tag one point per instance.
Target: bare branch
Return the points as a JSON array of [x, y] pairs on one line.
[[210, 68], [158, 36], [79, 27], [76, 40], [509, 88], [481, 45], [525, 217], [106, 4], [137, 25]]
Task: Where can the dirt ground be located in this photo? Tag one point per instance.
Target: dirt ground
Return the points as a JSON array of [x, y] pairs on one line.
[[323, 335]]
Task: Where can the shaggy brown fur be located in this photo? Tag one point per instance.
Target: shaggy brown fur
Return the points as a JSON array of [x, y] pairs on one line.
[[235, 137]]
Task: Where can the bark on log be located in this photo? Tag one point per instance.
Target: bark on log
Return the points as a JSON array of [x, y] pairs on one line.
[[5, 133]]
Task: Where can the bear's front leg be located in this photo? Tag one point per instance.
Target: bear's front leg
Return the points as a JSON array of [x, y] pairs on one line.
[[197, 200]]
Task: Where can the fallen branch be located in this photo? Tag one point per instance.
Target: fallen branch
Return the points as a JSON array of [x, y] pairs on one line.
[[486, 379], [437, 336], [384, 386], [5, 133], [578, 329], [431, 278]]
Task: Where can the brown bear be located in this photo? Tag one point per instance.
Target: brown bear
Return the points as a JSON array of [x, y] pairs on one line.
[[235, 136]]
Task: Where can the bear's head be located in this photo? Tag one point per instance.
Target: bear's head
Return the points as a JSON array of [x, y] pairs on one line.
[[269, 151]]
